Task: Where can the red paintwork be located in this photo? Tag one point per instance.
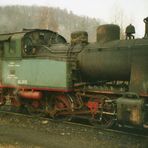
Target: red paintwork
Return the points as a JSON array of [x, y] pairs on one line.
[[93, 106], [143, 94], [15, 102], [37, 88], [62, 102], [35, 104], [36, 95]]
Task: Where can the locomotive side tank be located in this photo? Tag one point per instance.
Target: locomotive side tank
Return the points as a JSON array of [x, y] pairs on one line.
[[111, 59], [26, 57], [105, 63], [106, 59]]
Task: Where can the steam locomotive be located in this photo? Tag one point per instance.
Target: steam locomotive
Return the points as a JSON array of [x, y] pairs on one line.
[[105, 81]]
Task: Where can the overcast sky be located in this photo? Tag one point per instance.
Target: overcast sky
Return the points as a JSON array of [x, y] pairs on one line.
[[133, 11]]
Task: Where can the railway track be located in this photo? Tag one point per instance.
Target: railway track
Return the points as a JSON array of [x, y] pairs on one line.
[[75, 122]]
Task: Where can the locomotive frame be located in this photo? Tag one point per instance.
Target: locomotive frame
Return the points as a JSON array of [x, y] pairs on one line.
[[105, 81]]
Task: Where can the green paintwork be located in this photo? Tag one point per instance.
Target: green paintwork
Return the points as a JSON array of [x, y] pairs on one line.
[[12, 48], [5, 37], [36, 73], [25, 69]]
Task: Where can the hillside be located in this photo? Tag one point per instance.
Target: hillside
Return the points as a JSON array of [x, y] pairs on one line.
[[14, 18]]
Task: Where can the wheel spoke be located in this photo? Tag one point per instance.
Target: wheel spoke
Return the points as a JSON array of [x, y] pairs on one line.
[[60, 104], [104, 119]]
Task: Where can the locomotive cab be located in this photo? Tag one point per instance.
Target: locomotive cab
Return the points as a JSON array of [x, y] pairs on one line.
[[31, 60]]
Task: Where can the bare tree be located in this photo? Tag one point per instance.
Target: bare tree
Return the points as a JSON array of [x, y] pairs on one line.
[[14, 18], [47, 20], [118, 17]]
